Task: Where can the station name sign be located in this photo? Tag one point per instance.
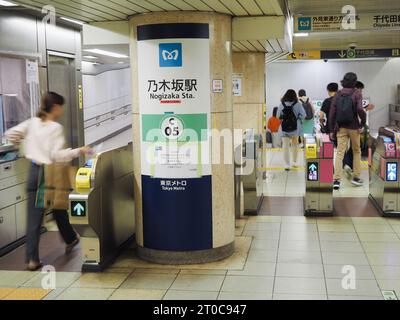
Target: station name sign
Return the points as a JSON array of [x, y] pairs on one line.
[[364, 21], [345, 54]]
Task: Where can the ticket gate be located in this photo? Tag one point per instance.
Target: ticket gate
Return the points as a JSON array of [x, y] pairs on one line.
[[384, 166], [319, 154], [102, 207], [251, 175]]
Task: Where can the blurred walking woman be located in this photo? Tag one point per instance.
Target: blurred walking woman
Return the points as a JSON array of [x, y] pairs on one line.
[[44, 144]]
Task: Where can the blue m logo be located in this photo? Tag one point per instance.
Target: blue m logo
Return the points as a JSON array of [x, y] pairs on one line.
[[170, 55]]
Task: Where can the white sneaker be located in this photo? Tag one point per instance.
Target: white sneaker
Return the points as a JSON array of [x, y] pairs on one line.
[[348, 171]]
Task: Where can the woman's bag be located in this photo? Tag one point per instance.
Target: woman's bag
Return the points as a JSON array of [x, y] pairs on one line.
[[59, 182]]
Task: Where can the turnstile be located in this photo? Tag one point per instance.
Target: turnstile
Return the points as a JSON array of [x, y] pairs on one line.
[[13, 198], [252, 177], [102, 206], [384, 166], [319, 154]]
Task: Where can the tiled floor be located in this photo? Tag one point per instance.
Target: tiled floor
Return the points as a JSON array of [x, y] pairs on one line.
[[284, 258], [279, 183]]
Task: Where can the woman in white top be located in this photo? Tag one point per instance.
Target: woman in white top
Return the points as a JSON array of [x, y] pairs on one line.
[[44, 144]]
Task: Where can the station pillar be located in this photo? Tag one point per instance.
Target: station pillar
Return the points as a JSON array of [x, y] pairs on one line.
[[249, 94], [182, 92]]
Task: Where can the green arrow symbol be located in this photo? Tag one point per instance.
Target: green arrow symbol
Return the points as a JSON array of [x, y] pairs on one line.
[[313, 167], [79, 209]]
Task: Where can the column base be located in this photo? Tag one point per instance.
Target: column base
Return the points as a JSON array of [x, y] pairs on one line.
[[186, 257]]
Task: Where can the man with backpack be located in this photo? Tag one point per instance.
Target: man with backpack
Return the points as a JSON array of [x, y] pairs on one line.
[[291, 112], [308, 124], [347, 119]]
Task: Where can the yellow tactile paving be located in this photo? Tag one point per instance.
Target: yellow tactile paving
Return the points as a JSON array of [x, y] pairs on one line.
[[4, 292], [27, 294]]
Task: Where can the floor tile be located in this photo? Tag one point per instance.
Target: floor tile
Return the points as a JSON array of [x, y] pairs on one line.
[[4, 292], [262, 226], [373, 228], [391, 284], [293, 245], [378, 237], [15, 278], [363, 272], [299, 270], [157, 271], [363, 288], [345, 258], [301, 219], [333, 297], [27, 294], [198, 282], [341, 246], [148, 281], [265, 218], [204, 271], [190, 295], [299, 227], [271, 244], [338, 236], [369, 220], [100, 280], [299, 285], [381, 247], [384, 259], [63, 280], [333, 227], [334, 220], [137, 294], [309, 257], [85, 294], [262, 234], [262, 256], [54, 294], [239, 296], [248, 284], [386, 272], [256, 269], [299, 235], [285, 296]]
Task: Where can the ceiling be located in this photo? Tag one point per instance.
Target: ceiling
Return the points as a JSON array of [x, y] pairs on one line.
[[341, 40], [113, 10], [321, 7]]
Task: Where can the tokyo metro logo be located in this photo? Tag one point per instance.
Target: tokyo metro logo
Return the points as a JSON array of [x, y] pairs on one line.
[[170, 55]]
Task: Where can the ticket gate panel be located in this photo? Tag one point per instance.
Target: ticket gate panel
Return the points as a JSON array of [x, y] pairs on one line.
[[318, 198], [104, 213], [384, 171]]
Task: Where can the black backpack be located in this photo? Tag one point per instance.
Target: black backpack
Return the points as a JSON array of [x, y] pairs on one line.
[[289, 119], [308, 109], [345, 109]]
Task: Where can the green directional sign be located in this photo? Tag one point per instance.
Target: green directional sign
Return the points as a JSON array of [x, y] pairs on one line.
[[78, 208], [312, 171]]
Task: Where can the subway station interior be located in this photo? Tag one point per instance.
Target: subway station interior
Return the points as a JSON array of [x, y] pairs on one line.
[[148, 150]]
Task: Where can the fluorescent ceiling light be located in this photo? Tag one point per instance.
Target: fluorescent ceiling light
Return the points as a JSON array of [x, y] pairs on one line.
[[73, 21], [106, 53], [301, 34], [90, 57], [90, 63], [4, 3], [121, 62]]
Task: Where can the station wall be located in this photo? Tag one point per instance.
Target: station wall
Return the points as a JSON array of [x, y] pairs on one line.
[[107, 107], [380, 77]]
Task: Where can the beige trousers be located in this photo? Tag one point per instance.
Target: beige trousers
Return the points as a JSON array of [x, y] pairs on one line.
[[343, 138], [290, 145]]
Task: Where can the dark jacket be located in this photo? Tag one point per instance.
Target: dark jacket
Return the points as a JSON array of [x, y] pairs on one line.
[[358, 122]]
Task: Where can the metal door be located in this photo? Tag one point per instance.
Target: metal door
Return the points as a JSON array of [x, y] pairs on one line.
[[62, 80]]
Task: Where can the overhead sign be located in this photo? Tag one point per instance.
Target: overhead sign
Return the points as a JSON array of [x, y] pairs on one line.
[[312, 171], [360, 53], [175, 118], [391, 171], [341, 22], [78, 208], [305, 55]]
